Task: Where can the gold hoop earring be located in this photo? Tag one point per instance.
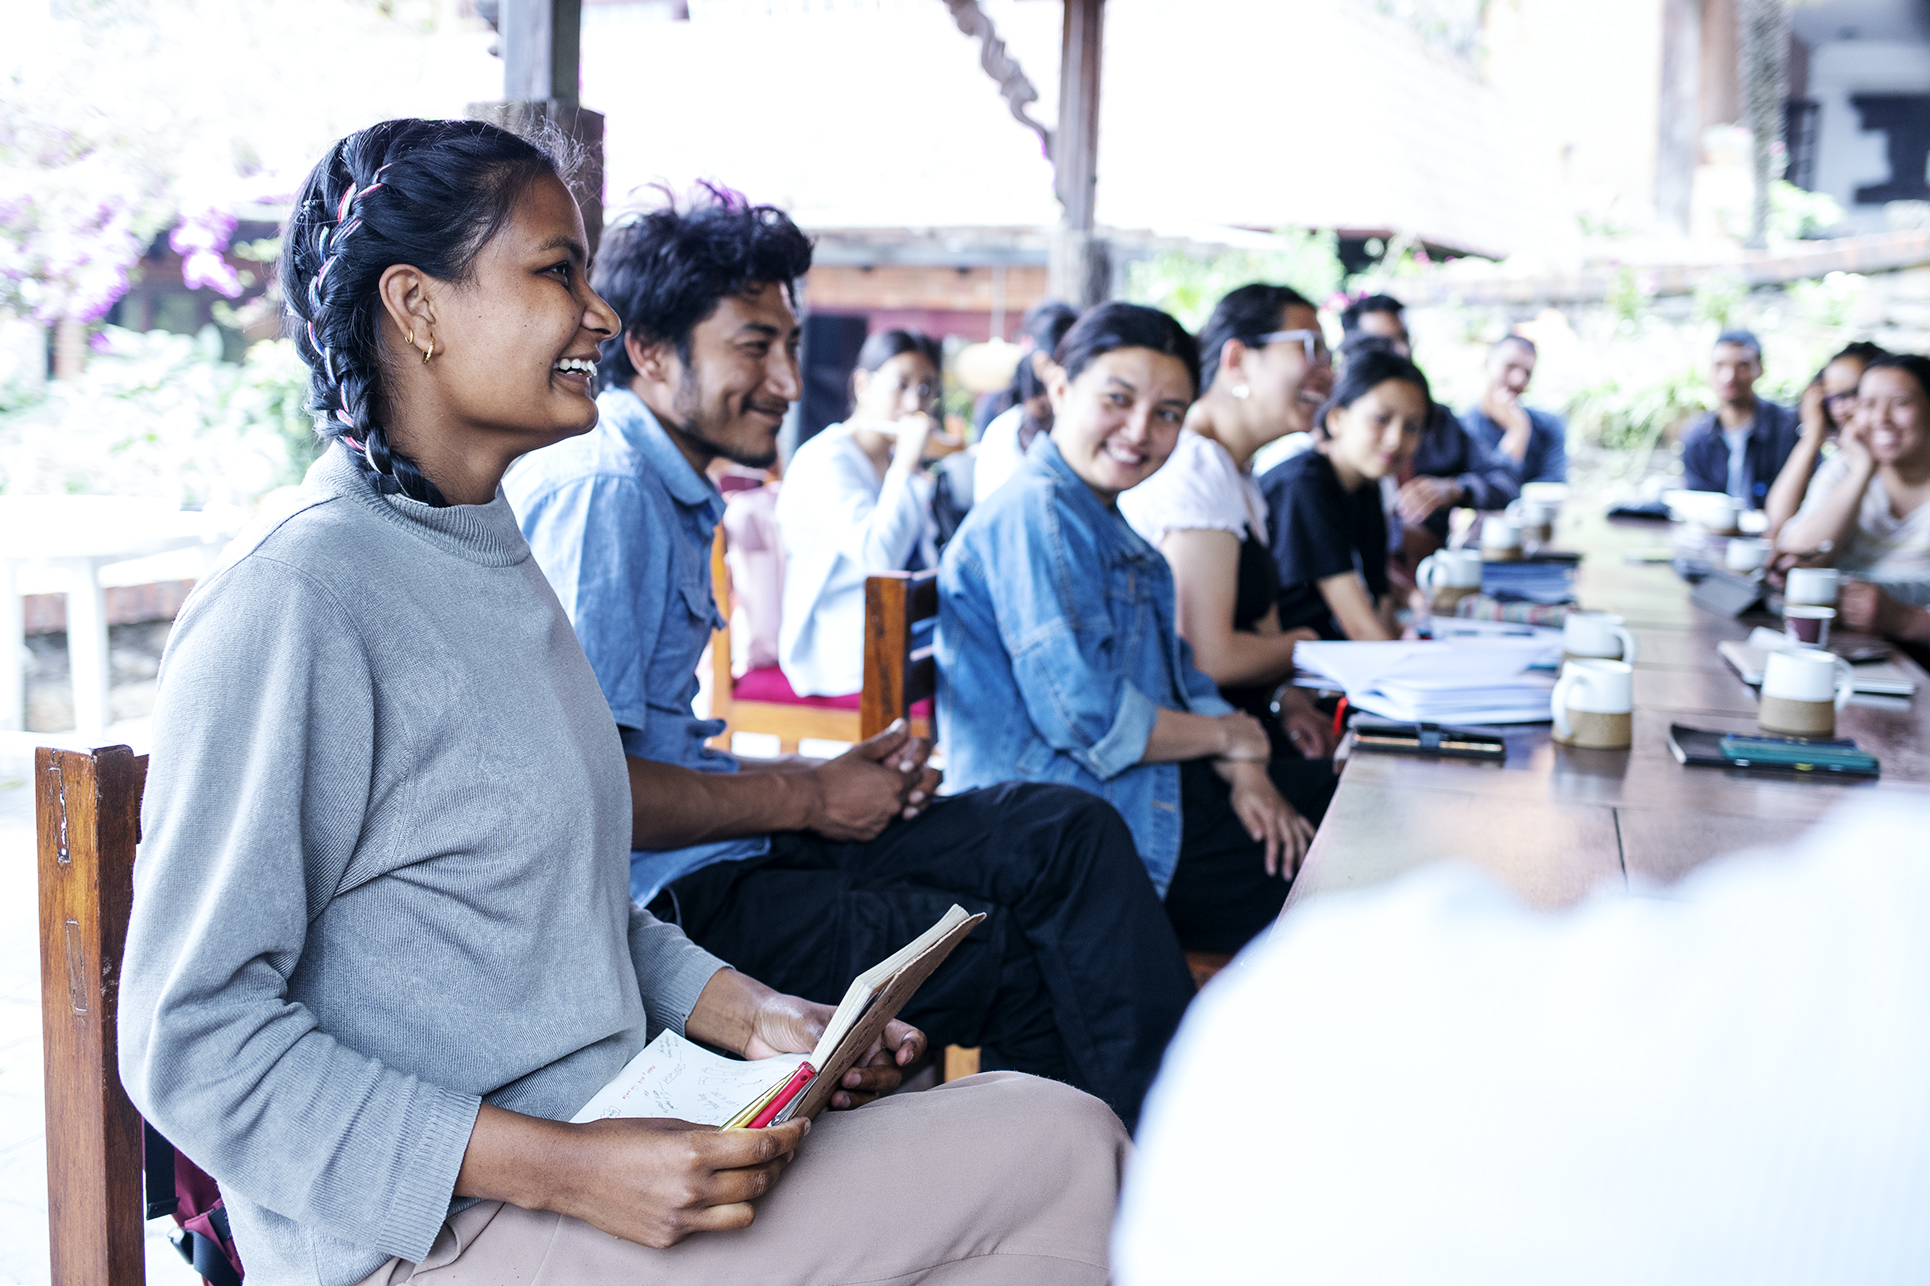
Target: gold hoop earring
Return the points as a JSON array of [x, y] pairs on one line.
[[428, 352]]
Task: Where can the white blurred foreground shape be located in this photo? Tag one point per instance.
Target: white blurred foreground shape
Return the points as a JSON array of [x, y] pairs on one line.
[[1431, 1083]]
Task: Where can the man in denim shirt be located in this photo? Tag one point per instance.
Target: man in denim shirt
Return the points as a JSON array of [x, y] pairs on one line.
[[803, 874]]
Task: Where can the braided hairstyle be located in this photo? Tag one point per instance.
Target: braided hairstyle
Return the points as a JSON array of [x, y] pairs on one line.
[[426, 193]]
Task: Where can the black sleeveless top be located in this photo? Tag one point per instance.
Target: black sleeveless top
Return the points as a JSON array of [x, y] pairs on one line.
[[1259, 587]]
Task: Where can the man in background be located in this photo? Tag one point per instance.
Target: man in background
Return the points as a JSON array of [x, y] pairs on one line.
[[1739, 447], [1534, 441]]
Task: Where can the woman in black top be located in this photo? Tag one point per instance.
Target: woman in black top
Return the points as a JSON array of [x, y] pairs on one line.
[[1324, 508]]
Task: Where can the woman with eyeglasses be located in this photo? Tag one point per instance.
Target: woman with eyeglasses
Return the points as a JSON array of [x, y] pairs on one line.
[[1265, 368], [1827, 404], [853, 503]]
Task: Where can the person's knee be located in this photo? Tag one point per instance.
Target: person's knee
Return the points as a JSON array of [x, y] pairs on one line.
[[1046, 1117], [1076, 820]]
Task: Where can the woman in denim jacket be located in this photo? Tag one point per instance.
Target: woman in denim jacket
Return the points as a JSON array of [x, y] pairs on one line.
[[1059, 661]]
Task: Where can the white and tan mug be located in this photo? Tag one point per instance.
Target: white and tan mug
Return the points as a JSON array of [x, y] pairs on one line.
[[1747, 554], [1447, 576], [1812, 586], [1802, 689], [1500, 539], [1596, 636], [1593, 705]]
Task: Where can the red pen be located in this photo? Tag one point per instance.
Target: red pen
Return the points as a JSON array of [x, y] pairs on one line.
[[798, 1080]]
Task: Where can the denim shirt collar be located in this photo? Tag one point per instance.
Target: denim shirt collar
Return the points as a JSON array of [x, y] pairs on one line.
[[638, 425], [1087, 506]]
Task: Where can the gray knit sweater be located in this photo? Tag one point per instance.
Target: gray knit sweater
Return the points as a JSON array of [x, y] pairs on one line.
[[384, 876]]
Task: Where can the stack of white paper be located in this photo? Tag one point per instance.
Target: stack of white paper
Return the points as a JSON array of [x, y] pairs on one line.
[[1458, 680]]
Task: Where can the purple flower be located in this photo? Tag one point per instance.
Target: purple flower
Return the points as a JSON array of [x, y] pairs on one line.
[[201, 237]]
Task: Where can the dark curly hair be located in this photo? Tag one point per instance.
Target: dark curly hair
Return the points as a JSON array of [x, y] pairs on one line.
[[427, 193], [666, 270]]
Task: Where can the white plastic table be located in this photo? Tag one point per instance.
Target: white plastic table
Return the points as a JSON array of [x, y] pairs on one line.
[[81, 535]]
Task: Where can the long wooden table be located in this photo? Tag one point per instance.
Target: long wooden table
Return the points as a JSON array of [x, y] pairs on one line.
[[1558, 823]]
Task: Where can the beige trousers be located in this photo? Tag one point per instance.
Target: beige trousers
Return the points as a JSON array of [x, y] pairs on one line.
[[998, 1178]]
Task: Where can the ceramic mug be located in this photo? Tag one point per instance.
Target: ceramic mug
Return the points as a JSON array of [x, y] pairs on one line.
[[1596, 636], [1593, 705], [1720, 515], [1500, 539], [1447, 576], [1812, 586], [1745, 555], [1807, 625], [1802, 689], [1535, 518]]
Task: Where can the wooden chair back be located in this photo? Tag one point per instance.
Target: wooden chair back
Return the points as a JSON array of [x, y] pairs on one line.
[[788, 723], [87, 807], [896, 675]]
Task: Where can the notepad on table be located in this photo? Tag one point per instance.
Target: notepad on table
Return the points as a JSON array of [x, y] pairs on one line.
[[675, 1078], [1879, 678], [1490, 679]]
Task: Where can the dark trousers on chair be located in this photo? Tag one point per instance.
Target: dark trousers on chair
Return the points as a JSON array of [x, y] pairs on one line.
[[1075, 973], [1221, 895]]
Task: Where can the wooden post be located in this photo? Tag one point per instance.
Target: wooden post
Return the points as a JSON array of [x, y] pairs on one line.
[[88, 811], [541, 42], [1679, 115], [1081, 267]]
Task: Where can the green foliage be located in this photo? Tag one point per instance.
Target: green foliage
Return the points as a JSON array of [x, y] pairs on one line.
[[1795, 215], [1633, 417], [1719, 297], [162, 415], [1455, 25], [1188, 285], [1626, 299], [1828, 301]]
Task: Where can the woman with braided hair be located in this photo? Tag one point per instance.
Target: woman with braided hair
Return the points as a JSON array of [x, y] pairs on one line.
[[382, 947]]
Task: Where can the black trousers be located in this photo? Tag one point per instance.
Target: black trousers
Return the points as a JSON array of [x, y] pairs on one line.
[[1075, 973], [1221, 895]]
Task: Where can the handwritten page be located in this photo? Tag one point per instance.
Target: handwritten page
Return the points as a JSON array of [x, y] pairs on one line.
[[671, 1077]]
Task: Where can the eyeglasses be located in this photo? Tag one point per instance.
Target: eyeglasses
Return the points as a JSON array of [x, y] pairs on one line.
[[1847, 395], [1312, 343], [927, 393]]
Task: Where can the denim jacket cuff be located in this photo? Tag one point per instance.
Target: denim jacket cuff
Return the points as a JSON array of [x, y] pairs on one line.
[[1209, 703], [1124, 744]]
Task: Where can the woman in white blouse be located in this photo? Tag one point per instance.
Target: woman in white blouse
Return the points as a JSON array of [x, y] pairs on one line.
[[853, 502], [1868, 509], [1002, 446], [1265, 368]]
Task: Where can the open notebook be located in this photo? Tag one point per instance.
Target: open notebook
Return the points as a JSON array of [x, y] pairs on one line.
[[1879, 678], [672, 1077]]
